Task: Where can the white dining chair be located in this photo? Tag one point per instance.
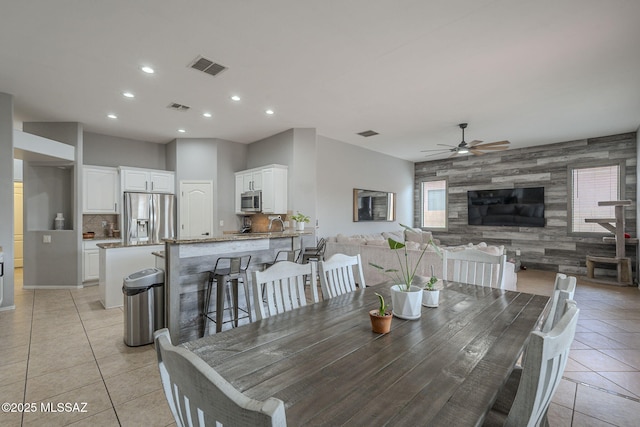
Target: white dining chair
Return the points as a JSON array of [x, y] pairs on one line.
[[563, 289], [525, 398], [281, 288], [200, 396], [474, 267], [337, 275]]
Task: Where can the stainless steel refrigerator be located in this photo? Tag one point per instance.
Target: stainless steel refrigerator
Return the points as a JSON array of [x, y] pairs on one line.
[[148, 217]]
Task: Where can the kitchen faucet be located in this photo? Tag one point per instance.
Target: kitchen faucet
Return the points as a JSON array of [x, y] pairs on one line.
[[275, 218]]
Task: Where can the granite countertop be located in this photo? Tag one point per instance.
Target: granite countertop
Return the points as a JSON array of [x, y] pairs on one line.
[[223, 238], [242, 236]]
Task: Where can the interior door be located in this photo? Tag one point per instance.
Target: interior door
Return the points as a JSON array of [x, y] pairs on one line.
[[18, 224], [196, 209]]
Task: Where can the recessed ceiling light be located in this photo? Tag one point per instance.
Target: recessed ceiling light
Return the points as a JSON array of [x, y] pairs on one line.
[[128, 95], [148, 69], [112, 116], [206, 114], [235, 98], [269, 112], [181, 130]]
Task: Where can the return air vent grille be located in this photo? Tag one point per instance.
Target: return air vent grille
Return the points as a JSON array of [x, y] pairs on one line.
[[178, 107], [368, 133], [207, 66]]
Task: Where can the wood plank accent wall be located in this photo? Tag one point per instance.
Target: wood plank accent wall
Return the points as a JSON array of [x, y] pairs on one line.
[[546, 248]]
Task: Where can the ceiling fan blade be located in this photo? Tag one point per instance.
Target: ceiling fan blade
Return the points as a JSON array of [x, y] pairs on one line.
[[447, 145], [492, 144], [436, 149], [474, 143], [476, 152], [496, 148]]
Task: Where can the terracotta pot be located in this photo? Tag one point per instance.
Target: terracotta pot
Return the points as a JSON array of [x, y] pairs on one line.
[[380, 324]]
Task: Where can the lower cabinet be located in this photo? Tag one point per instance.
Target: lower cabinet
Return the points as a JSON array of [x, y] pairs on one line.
[[91, 260]]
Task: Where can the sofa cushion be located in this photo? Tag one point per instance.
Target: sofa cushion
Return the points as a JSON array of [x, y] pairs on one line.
[[398, 236], [380, 242]]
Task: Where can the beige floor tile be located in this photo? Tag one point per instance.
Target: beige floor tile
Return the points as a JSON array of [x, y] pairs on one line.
[[581, 420], [629, 340], [12, 393], [573, 366], [95, 395], [93, 320], [599, 379], [629, 381], [625, 324], [133, 384], [598, 361], [600, 326], [151, 409], [565, 394], [106, 418], [62, 355], [13, 373], [118, 363], [559, 416], [607, 407], [629, 357], [56, 331], [62, 380], [11, 355], [596, 340]]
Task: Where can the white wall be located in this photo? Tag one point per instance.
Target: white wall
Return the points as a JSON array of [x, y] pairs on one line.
[[105, 150], [343, 167], [6, 195]]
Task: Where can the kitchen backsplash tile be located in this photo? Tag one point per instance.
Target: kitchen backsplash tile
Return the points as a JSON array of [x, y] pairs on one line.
[[94, 223]]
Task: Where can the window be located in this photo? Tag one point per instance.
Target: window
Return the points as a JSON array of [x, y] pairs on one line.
[[590, 185], [434, 204]]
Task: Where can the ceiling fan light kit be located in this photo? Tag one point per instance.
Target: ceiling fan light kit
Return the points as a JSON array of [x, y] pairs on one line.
[[477, 148]]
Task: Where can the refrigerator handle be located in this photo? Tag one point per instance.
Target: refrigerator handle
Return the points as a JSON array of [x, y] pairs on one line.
[[151, 185]]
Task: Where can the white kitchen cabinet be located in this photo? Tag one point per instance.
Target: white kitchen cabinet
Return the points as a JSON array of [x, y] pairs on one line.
[[271, 180], [147, 180], [252, 180], [100, 190], [91, 259]]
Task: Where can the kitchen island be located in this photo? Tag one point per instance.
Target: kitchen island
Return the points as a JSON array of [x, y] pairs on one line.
[[187, 266], [118, 260]]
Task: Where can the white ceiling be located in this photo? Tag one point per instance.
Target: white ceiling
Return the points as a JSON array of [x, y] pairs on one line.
[[532, 72]]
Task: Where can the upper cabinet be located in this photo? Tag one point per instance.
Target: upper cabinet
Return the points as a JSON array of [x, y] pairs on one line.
[[100, 190], [147, 180], [271, 180]]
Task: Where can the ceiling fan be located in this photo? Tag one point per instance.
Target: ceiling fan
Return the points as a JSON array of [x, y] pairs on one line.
[[477, 148]]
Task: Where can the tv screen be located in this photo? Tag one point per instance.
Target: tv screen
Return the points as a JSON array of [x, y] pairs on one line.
[[520, 207]]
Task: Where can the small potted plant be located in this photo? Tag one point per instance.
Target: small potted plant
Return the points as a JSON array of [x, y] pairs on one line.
[[431, 294], [406, 299], [381, 318], [300, 220]]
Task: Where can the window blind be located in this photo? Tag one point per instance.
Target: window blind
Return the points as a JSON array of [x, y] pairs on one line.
[[590, 186]]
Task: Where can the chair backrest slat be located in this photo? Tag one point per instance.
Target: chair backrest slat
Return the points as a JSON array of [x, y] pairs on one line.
[[475, 267], [198, 395], [281, 288], [337, 275], [546, 358], [563, 289]]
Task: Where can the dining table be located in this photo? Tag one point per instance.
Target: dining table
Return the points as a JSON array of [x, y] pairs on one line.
[[327, 366]]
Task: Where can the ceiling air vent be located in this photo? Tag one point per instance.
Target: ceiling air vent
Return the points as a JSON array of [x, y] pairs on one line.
[[178, 107], [207, 66], [368, 133]]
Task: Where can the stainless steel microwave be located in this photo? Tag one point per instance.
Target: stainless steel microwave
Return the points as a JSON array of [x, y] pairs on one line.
[[251, 201]]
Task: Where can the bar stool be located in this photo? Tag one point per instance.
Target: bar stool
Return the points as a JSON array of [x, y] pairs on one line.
[[227, 269]]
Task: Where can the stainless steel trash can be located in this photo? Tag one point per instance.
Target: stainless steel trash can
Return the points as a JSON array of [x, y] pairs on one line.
[[143, 306]]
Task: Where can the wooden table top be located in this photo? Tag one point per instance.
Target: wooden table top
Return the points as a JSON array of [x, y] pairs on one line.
[[328, 367]]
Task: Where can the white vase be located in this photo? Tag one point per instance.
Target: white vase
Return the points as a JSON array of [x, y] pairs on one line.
[[406, 304], [300, 225], [431, 298]]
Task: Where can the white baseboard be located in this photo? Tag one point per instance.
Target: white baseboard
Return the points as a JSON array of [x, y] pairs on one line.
[[34, 287], [10, 307]]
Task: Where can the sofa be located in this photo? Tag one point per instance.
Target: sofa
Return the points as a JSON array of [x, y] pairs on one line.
[[374, 248]]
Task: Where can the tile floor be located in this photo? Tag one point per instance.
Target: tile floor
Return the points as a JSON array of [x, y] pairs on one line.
[[61, 346]]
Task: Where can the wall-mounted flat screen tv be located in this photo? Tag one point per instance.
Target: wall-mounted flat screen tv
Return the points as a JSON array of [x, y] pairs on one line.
[[519, 207]]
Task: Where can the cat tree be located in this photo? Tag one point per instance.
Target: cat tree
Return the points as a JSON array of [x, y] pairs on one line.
[[622, 262]]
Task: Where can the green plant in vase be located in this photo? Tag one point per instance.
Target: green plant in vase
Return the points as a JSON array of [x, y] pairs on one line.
[[406, 272]]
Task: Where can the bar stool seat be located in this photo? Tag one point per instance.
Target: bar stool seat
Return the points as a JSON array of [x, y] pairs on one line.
[[227, 270]]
